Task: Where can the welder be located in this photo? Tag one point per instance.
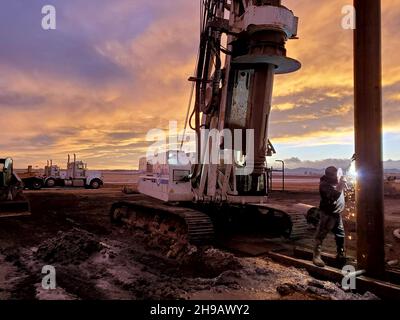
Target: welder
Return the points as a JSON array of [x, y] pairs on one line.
[[332, 205]]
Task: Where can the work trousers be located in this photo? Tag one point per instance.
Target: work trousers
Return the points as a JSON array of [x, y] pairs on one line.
[[331, 223]]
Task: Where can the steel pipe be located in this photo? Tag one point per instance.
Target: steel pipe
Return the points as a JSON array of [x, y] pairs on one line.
[[368, 137]]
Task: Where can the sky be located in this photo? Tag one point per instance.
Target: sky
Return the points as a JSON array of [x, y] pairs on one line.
[[113, 70]]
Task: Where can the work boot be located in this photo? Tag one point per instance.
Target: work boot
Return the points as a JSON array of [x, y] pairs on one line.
[[317, 255], [341, 254]]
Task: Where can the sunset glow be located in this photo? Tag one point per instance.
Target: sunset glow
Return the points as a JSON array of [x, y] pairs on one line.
[[115, 69]]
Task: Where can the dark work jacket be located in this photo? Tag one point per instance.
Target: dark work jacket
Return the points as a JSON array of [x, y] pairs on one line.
[[332, 201]]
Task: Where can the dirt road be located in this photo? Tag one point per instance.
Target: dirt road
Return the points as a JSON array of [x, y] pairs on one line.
[[70, 230]]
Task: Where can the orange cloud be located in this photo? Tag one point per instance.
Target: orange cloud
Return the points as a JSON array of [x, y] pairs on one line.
[[132, 76]]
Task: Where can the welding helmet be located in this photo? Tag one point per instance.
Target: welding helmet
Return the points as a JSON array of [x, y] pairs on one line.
[[334, 174]]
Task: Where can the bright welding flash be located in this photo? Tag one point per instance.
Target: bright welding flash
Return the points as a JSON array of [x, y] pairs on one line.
[[352, 171]]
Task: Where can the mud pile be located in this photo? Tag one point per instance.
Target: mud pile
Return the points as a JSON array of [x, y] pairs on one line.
[[190, 260], [321, 290], [208, 262], [71, 247]]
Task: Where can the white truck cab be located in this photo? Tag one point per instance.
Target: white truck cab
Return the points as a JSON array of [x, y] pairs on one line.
[[76, 175]]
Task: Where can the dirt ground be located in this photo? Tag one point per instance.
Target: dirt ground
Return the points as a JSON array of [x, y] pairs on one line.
[[311, 197], [70, 230]]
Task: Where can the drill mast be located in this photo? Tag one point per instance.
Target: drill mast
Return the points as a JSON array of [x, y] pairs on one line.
[[235, 98]]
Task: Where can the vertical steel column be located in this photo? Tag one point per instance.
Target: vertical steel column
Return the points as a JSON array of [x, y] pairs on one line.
[[368, 137], [260, 110]]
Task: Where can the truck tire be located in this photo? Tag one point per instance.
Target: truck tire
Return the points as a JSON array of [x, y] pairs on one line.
[[50, 183], [37, 184], [95, 184]]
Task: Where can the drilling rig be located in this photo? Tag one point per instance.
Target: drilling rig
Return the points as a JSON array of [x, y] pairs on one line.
[[233, 86]]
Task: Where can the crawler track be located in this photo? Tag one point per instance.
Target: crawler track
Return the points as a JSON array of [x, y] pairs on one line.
[[180, 223]]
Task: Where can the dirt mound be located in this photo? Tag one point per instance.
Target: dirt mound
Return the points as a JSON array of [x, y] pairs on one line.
[[70, 247], [191, 260], [209, 262], [322, 290]]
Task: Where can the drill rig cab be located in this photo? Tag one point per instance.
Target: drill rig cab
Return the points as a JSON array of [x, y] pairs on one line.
[[230, 117], [12, 201]]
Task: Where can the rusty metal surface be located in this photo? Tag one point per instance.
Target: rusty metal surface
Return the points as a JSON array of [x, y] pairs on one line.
[[368, 137], [240, 99]]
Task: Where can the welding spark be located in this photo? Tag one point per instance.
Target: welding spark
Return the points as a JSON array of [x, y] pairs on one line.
[[352, 171]]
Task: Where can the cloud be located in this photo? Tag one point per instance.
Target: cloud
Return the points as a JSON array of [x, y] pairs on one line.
[[296, 163], [64, 52], [115, 69], [18, 99]]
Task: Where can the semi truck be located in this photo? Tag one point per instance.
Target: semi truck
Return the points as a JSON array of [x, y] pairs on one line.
[[76, 175], [31, 179]]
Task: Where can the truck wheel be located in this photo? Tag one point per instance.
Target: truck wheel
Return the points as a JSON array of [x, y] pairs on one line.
[[37, 185], [95, 184], [50, 183]]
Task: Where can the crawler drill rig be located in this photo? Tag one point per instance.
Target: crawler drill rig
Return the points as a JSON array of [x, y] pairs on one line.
[[233, 91]]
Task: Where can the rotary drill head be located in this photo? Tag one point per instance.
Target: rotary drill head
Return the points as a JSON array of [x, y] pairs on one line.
[[259, 52]]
